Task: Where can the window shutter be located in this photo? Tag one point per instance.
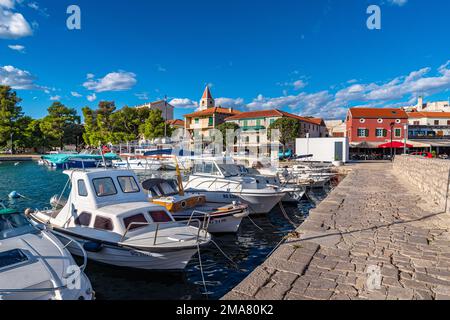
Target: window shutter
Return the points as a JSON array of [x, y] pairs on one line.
[[384, 133], [367, 133]]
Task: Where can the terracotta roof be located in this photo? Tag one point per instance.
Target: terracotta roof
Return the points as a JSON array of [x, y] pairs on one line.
[[440, 115], [175, 122], [207, 94], [386, 113], [211, 111], [273, 113]]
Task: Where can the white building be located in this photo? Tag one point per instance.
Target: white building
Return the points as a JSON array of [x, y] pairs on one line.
[[165, 107], [421, 106], [336, 128], [324, 149]]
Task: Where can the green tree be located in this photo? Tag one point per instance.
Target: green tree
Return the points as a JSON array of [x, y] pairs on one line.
[[154, 126], [58, 125], [10, 113], [224, 127], [289, 129], [127, 123]]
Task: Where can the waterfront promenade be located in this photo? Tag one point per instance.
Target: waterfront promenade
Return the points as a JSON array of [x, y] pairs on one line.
[[374, 223]]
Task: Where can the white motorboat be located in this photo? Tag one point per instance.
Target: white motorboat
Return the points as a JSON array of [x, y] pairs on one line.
[[269, 177], [35, 265], [221, 218], [137, 163], [108, 213], [223, 183]]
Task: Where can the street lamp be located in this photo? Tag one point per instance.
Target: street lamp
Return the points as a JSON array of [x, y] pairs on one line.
[[392, 139], [12, 145]]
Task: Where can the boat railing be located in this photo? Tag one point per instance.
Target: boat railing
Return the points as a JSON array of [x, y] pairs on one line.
[[206, 220], [210, 183], [201, 226]]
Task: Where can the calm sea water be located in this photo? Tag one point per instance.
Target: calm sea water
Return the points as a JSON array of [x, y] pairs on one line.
[[247, 249]]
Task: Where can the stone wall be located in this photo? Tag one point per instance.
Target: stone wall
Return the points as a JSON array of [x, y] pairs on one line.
[[430, 176]]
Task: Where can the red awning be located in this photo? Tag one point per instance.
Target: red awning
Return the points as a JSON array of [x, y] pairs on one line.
[[394, 145]]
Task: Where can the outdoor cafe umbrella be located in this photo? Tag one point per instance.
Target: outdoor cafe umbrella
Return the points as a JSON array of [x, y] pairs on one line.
[[394, 145]]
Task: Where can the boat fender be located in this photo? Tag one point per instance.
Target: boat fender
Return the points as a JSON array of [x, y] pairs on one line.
[[14, 195], [92, 246], [28, 211]]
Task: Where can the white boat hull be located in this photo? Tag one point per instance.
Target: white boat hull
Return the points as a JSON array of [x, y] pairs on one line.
[[259, 203], [131, 258], [222, 224]]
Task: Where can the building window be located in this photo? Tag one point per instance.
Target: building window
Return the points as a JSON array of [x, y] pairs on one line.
[[211, 121], [379, 133], [258, 123], [436, 122], [398, 133], [448, 122], [417, 123], [257, 139], [362, 120], [380, 120], [271, 121], [196, 121], [362, 133]]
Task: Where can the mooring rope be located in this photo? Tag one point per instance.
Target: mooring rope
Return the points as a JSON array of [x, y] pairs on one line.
[[201, 270], [225, 255]]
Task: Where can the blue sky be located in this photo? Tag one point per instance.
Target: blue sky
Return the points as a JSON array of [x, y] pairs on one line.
[[309, 57]]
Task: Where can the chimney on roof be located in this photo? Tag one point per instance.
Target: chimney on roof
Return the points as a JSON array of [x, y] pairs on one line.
[[207, 100], [420, 104]]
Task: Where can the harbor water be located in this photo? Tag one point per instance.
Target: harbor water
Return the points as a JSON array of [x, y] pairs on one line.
[[247, 249]]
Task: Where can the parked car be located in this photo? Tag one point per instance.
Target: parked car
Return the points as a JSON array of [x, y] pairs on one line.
[[428, 155]]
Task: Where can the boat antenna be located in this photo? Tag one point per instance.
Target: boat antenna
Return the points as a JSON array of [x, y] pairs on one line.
[[179, 179]]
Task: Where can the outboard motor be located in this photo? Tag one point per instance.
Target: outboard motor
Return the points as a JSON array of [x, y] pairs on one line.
[[58, 203]]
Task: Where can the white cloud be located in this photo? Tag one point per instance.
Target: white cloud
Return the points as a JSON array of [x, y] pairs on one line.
[[8, 4], [76, 94], [35, 6], [142, 95], [160, 68], [184, 103], [55, 98], [13, 25], [90, 76], [92, 97], [114, 81], [329, 104], [17, 47], [17, 79], [230, 103], [399, 3], [297, 84]]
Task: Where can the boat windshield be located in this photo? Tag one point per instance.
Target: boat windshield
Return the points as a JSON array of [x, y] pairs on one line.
[[13, 225], [230, 170]]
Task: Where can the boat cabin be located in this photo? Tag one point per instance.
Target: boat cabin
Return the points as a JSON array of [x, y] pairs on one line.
[[108, 200], [212, 168]]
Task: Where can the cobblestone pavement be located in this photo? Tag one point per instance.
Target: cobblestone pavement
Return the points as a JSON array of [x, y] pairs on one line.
[[372, 238]]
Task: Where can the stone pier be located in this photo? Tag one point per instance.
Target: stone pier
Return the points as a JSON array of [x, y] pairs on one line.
[[381, 234]]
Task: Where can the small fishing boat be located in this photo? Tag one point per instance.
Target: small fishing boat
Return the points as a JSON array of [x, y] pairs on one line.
[[224, 183], [136, 163], [170, 194], [109, 214], [35, 265], [78, 160]]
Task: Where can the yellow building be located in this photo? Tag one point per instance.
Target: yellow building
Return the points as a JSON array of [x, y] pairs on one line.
[[207, 117]]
